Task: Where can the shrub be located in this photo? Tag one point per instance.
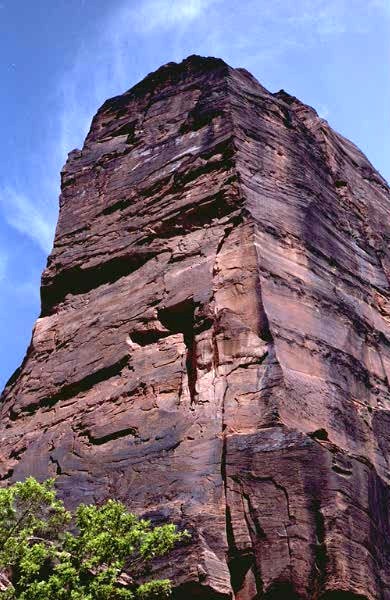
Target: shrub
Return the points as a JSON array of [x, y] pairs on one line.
[[95, 553]]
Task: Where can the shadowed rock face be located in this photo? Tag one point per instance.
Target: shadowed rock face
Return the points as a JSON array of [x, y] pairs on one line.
[[214, 343]]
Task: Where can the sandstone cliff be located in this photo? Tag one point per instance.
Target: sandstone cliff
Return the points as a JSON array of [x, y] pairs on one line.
[[214, 342]]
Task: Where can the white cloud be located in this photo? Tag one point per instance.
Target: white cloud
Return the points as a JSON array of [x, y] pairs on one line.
[[108, 68], [27, 217], [157, 14]]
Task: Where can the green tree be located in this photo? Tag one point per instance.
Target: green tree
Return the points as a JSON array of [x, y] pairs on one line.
[[95, 553]]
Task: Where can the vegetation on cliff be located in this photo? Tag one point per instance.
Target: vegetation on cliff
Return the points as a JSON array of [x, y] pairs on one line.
[[93, 553]]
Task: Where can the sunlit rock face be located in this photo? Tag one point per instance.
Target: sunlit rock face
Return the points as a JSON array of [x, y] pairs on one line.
[[214, 342]]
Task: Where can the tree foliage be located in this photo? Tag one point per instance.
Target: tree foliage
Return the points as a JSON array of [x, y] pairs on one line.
[[95, 553]]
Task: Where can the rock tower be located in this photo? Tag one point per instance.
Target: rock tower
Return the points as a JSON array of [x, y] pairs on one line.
[[214, 341]]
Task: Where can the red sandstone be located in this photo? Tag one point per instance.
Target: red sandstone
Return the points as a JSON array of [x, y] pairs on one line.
[[214, 343]]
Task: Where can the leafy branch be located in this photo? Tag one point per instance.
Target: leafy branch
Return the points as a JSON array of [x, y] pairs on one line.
[[95, 553]]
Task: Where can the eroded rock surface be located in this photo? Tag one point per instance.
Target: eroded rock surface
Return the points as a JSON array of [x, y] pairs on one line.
[[214, 343]]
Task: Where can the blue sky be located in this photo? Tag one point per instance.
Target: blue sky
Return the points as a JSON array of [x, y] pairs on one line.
[[60, 59]]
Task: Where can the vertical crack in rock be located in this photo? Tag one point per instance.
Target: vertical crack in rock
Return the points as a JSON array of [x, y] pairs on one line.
[[180, 318], [257, 534], [191, 366], [231, 546], [320, 563], [54, 461]]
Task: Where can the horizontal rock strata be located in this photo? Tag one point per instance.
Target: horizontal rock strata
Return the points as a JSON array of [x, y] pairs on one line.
[[214, 342]]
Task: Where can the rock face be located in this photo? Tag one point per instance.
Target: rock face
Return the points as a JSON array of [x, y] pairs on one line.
[[214, 343]]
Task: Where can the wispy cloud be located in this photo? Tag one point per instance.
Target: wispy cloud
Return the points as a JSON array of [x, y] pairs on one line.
[[27, 217], [115, 61], [164, 14]]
